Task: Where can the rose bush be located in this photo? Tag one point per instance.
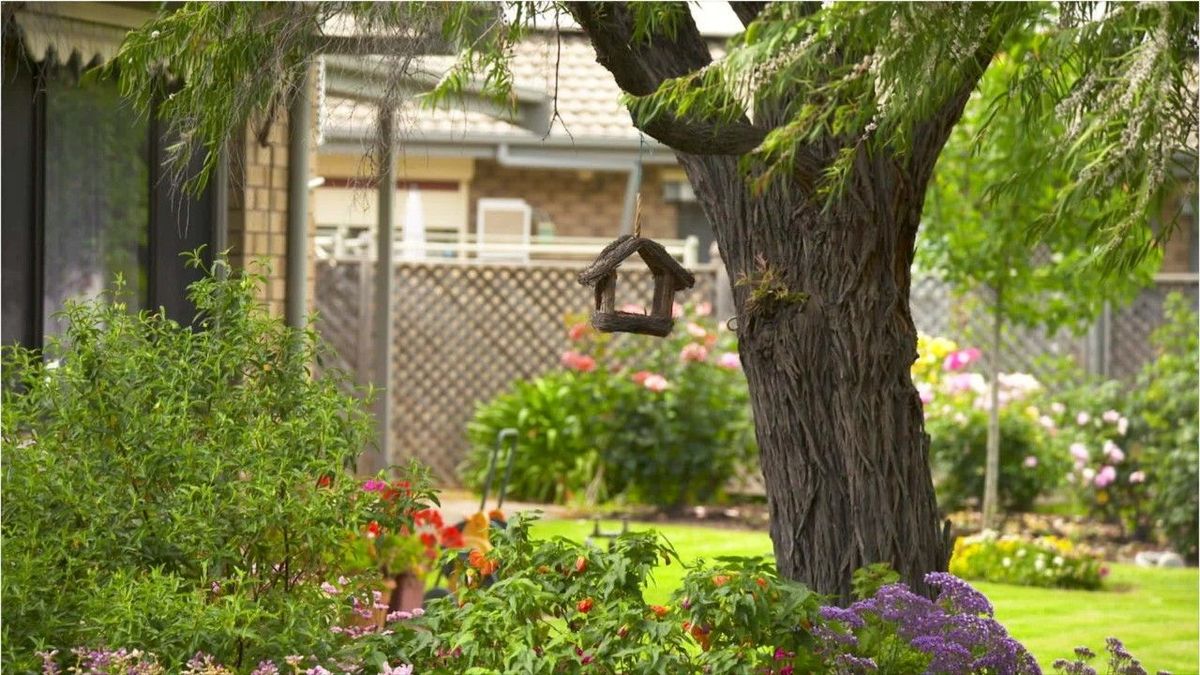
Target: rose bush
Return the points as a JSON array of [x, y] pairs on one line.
[[956, 401], [657, 421]]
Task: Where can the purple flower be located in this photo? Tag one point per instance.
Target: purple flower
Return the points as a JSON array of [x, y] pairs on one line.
[[958, 595], [855, 664], [845, 616]]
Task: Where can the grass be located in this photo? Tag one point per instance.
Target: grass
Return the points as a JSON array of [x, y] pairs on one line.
[[1154, 612]]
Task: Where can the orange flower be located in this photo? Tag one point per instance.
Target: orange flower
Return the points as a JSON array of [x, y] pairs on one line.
[[324, 481], [584, 605], [479, 560], [373, 530], [659, 610], [762, 583], [496, 514], [580, 564], [720, 580]]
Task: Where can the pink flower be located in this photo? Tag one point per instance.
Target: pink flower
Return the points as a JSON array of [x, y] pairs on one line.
[[640, 376], [631, 308], [730, 360], [1080, 452], [1111, 416], [676, 310], [704, 309], [925, 391], [1058, 408], [328, 588], [693, 352], [655, 382], [577, 332], [1047, 423], [696, 330], [1106, 476], [1113, 453], [1103, 571], [1030, 462], [576, 361], [403, 669], [1082, 418], [1137, 477], [374, 485], [961, 359]]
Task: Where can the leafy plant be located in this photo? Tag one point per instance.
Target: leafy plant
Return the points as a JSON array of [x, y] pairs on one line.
[[664, 422], [177, 487], [1166, 408], [1045, 561]]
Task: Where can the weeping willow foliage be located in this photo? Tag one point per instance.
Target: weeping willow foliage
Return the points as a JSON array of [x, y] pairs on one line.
[[1109, 89]]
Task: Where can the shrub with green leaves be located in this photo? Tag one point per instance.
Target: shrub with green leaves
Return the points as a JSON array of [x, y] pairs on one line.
[[654, 421], [1166, 419], [1049, 562], [178, 488]]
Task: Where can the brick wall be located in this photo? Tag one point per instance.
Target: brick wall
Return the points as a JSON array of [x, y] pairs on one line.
[[258, 207], [579, 203]]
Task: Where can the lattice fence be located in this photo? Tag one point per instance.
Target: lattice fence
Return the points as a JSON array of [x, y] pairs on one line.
[[465, 332]]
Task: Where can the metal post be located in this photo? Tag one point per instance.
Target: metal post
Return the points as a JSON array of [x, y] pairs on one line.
[[299, 128], [220, 233], [384, 285]]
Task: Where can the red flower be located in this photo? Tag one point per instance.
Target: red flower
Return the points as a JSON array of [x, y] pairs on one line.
[[400, 487], [428, 539], [373, 529], [428, 517], [451, 537], [325, 481], [580, 564], [761, 582], [659, 610], [584, 605], [577, 332]]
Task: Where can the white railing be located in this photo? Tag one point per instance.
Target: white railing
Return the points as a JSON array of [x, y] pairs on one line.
[[451, 246]]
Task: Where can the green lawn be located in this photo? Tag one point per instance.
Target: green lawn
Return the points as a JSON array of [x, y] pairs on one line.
[[1153, 611]]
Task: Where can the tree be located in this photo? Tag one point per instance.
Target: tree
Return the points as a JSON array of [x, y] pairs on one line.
[[810, 146], [977, 238]]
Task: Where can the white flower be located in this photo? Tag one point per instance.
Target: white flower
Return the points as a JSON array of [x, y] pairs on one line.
[[1058, 408], [1111, 416], [1039, 563], [1046, 422], [1058, 560], [1122, 426], [1007, 562], [1113, 452], [1021, 553], [1082, 418]]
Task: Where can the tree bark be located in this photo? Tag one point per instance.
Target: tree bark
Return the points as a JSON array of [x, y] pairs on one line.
[[840, 428], [839, 423]]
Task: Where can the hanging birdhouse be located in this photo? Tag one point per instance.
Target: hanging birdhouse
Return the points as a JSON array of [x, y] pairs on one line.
[[669, 277]]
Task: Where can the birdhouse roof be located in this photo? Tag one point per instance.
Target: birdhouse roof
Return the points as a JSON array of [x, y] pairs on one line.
[[652, 253]]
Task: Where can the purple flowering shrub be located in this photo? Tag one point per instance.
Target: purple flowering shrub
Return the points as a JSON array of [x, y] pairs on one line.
[[897, 631], [1120, 661]]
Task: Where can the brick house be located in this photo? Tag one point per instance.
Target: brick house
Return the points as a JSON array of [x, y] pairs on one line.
[[579, 175], [85, 195]]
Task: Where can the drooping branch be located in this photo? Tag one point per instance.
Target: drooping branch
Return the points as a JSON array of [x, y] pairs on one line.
[[640, 66]]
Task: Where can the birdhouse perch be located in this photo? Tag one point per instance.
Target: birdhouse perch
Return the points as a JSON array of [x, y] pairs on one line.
[[669, 277]]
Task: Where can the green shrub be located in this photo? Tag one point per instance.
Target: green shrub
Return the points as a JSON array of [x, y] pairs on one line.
[[1166, 407], [161, 483], [1050, 562], [956, 402], [663, 422]]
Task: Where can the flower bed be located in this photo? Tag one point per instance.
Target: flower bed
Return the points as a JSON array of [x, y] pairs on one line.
[[1045, 561]]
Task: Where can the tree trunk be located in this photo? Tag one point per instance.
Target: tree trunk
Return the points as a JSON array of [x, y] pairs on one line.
[[839, 423], [991, 468]]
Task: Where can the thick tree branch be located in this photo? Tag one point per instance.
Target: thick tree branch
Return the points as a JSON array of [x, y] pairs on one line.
[[639, 67], [746, 11]]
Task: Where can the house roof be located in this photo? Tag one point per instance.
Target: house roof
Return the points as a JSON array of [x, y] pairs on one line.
[[652, 252], [550, 74]]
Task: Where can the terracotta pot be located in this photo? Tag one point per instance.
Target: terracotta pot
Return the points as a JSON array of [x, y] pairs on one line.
[[408, 591]]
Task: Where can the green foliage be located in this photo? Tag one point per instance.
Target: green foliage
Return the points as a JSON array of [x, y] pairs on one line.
[[1048, 562], [663, 422], [976, 237], [956, 402], [958, 445], [559, 606], [1165, 422], [867, 580], [160, 483]]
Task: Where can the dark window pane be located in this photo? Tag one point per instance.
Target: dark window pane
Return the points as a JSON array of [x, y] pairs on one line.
[[97, 196], [16, 200]]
